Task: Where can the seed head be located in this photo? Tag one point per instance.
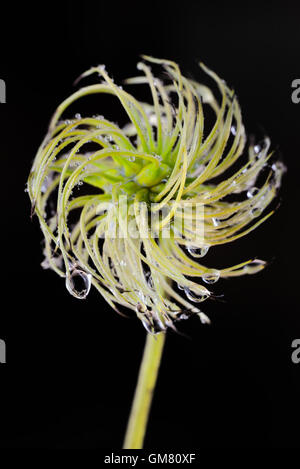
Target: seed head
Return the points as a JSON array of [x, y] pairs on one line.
[[132, 210]]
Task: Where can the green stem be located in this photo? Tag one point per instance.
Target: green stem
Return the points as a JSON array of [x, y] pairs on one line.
[[138, 418]]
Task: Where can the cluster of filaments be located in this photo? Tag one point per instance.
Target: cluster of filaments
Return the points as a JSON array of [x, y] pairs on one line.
[[162, 161]]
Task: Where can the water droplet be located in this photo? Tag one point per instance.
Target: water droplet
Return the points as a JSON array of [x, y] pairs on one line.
[[252, 192], [77, 116], [147, 326], [122, 263], [180, 286], [131, 158], [233, 130], [78, 283], [262, 147], [215, 221], [256, 212], [211, 277], [279, 166], [198, 252], [194, 296], [158, 325], [181, 316]]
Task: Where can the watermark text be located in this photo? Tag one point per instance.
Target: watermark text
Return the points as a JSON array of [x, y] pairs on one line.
[[2, 91], [2, 351], [296, 93], [296, 353]]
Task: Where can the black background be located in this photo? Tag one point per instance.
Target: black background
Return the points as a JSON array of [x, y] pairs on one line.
[[72, 365]]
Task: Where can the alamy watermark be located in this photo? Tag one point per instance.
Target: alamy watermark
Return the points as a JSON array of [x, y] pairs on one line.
[[2, 91], [141, 220], [296, 353], [2, 351], [296, 93]]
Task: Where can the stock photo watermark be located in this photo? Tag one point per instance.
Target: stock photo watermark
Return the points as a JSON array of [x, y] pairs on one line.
[[2, 91], [295, 96], [141, 220], [296, 353], [2, 351]]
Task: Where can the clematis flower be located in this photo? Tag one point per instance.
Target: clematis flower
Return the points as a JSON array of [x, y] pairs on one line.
[[133, 210]]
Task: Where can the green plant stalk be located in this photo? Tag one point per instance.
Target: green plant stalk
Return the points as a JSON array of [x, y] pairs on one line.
[[144, 391]]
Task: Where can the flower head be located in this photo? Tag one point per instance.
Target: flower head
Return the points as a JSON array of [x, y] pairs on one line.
[[133, 210]]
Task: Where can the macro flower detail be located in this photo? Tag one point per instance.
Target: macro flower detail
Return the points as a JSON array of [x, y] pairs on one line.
[[133, 210]]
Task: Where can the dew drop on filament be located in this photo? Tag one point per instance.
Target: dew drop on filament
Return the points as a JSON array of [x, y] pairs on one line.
[[198, 252], [252, 192], [256, 212], [211, 277], [262, 147], [193, 296], [78, 283]]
